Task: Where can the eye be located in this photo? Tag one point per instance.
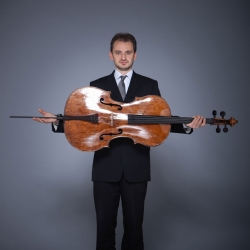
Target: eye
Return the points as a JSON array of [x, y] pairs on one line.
[[128, 52], [117, 52]]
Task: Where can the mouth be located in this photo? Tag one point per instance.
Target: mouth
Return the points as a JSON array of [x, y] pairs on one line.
[[123, 62]]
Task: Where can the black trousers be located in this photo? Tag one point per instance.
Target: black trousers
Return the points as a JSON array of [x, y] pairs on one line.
[[107, 197]]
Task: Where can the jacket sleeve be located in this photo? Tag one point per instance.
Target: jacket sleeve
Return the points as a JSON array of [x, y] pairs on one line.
[[178, 128], [155, 89], [59, 129]]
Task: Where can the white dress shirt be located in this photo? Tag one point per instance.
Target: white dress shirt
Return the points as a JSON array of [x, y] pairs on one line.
[[127, 80]]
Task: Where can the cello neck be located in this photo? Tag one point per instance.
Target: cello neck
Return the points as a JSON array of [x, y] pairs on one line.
[[148, 119]]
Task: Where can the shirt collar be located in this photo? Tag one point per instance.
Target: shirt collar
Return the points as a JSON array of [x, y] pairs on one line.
[[117, 74]]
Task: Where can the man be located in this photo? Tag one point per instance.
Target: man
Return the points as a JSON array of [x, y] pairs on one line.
[[123, 169]]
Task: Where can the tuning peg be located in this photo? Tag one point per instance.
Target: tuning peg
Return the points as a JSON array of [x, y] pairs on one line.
[[225, 129], [214, 113], [222, 113], [218, 129]]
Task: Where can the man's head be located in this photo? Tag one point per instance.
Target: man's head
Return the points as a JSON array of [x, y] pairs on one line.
[[123, 51], [123, 37]]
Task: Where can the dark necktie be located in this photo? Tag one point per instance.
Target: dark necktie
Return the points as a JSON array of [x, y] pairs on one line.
[[121, 87]]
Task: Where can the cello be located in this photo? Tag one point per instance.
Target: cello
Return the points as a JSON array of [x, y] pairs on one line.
[[92, 119]]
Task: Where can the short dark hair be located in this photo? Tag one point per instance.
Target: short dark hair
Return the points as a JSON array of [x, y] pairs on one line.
[[124, 37]]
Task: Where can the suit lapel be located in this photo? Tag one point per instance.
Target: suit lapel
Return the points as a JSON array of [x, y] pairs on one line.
[[112, 85], [133, 87]]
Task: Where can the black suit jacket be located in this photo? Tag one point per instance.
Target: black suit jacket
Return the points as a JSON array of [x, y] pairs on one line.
[[123, 156]]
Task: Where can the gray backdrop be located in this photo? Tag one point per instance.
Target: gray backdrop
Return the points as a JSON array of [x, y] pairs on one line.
[[198, 51]]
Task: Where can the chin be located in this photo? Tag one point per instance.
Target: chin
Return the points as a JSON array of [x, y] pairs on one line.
[[124, 68]]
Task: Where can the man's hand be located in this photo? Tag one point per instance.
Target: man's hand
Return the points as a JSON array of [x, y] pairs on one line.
[[198, 121], [46, 114]]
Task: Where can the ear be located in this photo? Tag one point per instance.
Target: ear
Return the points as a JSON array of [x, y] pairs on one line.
[[135, 55], [111, 56]]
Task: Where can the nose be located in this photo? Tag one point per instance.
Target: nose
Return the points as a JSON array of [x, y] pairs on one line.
[[123, 56]]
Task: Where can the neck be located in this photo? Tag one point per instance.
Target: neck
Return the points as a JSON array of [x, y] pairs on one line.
[[123, 72]]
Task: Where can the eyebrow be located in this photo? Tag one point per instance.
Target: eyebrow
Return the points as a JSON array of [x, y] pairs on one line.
[[124, 51]]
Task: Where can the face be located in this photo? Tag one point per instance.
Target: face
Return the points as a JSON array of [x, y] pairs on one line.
[[123, 56]]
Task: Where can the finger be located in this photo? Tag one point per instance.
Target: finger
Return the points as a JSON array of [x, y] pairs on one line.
[[39, 120], [191, 124], [42, 111], [196, 121], [35, 119], [201, 122]]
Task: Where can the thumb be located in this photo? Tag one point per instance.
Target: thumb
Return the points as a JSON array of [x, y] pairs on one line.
[[41, 111]]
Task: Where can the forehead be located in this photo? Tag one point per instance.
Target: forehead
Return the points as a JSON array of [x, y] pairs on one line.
[[123, 46]]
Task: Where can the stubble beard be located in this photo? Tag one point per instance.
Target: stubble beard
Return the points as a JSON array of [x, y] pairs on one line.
[[124, 69]]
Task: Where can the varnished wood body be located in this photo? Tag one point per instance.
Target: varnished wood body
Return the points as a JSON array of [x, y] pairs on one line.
[[85, 135]]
